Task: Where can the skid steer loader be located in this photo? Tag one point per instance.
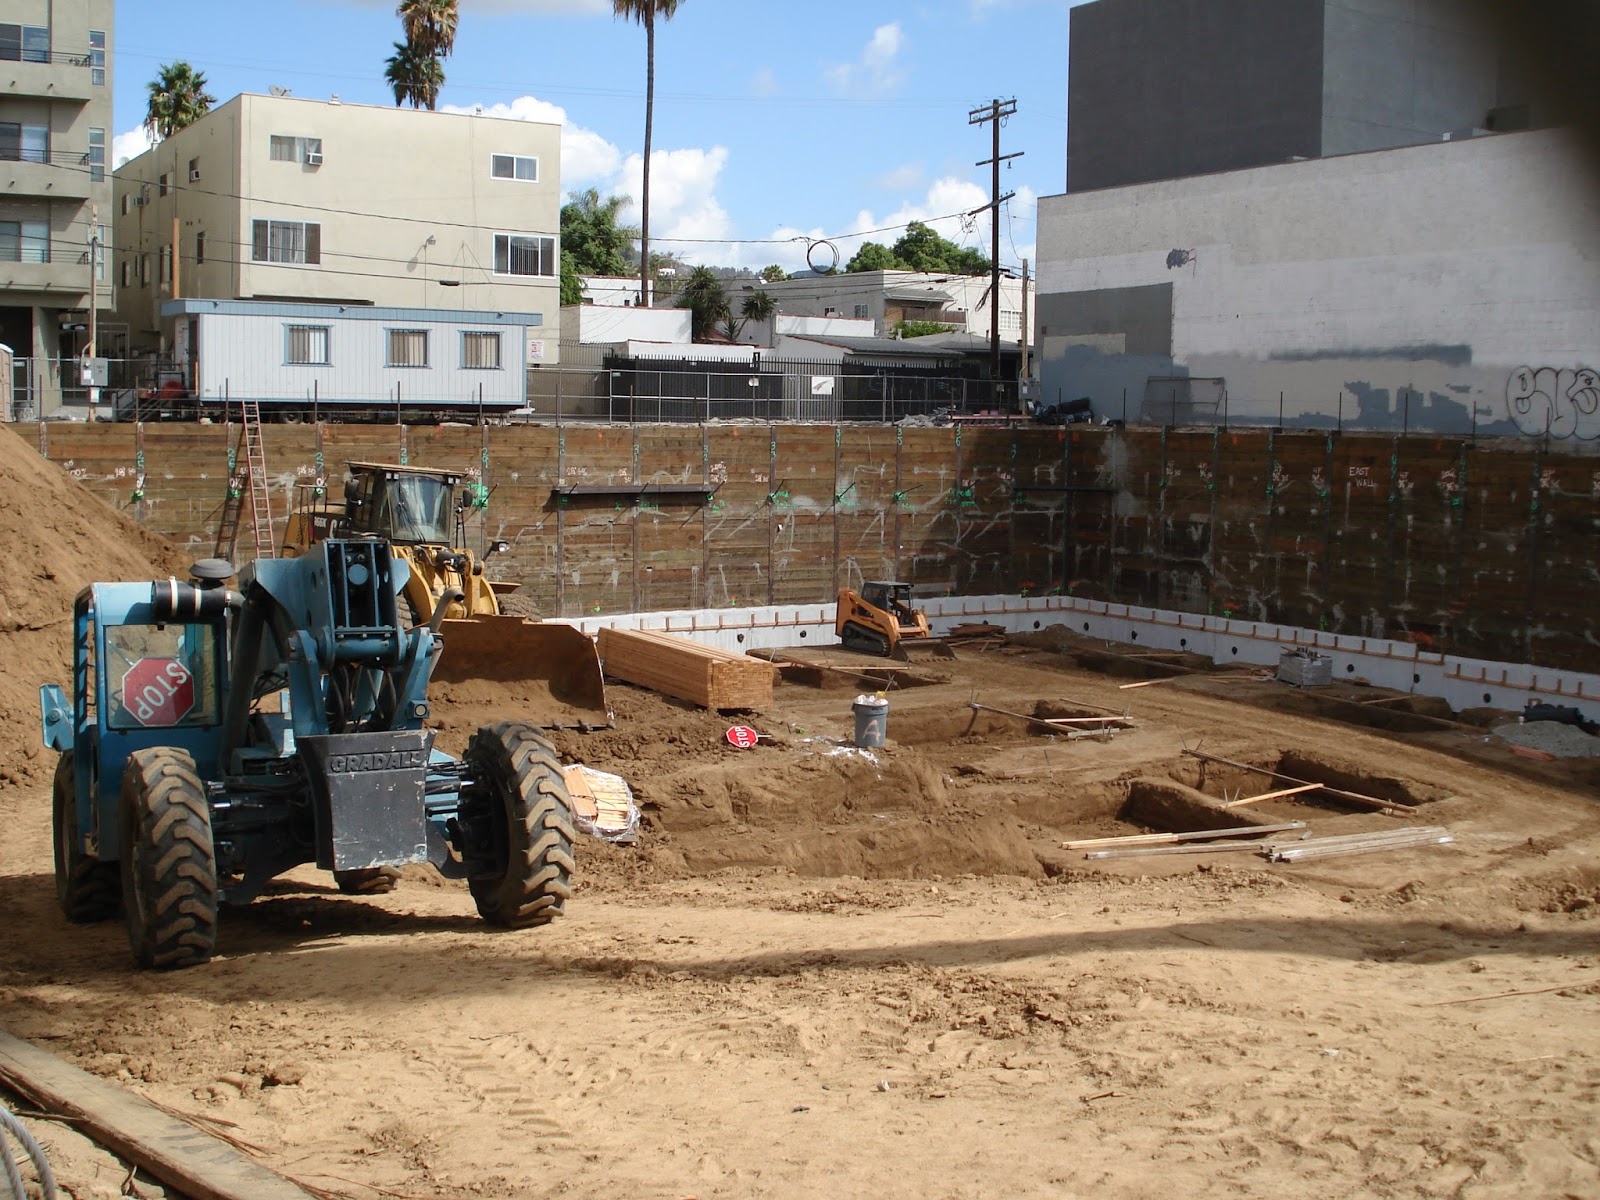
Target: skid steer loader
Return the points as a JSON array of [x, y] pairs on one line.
[[216, 738], [879, 619], [420, 512]]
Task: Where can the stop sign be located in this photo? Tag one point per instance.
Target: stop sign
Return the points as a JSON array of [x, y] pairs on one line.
[[743, 737], [158, 691]]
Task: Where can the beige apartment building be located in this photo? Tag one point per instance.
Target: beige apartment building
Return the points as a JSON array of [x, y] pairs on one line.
[[55, 122], [288, 200]]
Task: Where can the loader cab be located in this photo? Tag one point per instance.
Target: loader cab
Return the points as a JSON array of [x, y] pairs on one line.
[[404, 505], [142, 677], [890, 597]]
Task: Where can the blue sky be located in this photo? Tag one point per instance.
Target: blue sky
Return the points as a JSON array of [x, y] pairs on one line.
[[820, 119]]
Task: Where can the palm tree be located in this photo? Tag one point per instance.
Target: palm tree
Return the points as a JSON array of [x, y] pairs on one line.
[[706, 301], [645, 12], [415, 76], [430, 25], [177, 100]]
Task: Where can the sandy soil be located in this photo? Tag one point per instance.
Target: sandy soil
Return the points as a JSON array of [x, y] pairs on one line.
[[824, 972]]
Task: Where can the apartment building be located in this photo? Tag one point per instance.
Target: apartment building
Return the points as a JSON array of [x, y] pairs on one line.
[[55, 122], [287, 200]]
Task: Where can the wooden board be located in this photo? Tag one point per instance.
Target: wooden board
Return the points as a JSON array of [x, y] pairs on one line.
[[676, 666], [179, 1155]]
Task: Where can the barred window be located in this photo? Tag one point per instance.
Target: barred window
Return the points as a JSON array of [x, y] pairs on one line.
[[515, 255], [306, 345], [408, 348], [480, 351]]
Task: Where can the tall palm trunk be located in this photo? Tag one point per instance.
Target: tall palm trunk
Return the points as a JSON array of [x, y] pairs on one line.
[[649, 120]]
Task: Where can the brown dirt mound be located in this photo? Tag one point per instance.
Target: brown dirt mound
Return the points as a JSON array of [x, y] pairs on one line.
[[60, 537]]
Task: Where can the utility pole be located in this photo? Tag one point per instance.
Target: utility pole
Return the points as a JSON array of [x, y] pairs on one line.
[[993, 113], [94, 308]]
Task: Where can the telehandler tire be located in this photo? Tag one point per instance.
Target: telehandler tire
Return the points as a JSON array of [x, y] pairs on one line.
[[531, 827], [169, 864], [87, 889], [367, 881]]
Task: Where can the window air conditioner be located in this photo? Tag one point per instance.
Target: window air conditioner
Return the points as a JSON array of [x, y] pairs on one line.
[[313, 158], [194, 175]]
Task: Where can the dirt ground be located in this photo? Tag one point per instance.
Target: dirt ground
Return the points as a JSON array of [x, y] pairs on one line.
[[826, 971]]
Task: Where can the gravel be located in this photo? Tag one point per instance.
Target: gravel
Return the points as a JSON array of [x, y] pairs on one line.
[[1564, 741]]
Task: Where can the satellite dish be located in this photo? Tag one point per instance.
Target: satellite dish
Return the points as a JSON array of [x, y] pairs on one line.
[[278, 89]]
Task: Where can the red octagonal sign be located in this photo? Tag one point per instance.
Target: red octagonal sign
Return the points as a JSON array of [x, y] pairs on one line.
[[158, 691], [742, 736]]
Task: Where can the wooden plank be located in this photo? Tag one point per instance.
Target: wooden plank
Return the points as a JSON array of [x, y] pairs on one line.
[[1193, 835], [1388, 806], [676, 666], [179, 1155], [1051, 723], [1192, 848], [1277, 795]]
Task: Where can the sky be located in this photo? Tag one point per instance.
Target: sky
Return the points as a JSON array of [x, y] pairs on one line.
[[779, 128]]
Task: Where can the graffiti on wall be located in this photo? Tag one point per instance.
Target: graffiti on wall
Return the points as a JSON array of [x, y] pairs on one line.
[[1559, 402]]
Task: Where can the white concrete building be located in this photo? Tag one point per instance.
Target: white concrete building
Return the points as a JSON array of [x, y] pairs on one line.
[[55, 205], [1449, 286], [886, 298], [283, 199]]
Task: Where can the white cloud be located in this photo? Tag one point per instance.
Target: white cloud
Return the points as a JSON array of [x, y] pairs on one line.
[[684, 210], [129, 145], [877, 71], [764, 83], [903, 178]]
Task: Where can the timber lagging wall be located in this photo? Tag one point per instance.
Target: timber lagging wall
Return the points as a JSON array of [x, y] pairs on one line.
[[1488, 549]]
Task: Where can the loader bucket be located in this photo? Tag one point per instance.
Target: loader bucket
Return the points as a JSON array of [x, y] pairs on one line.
[[922, 650], [550, 670]]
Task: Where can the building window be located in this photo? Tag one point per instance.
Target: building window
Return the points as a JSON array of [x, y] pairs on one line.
[[126, 203], [24, 43], [286, 241], [97, 57], [480, 351], [408, 348], [166, 264], [97, 155], [285, 148], [101, 249], [25, 241], [306, 345], [514, 166], [127, 272], [199, 248], [144, 270], [514, 255], [163, 185], [24, 143], [861, 310], [194, 169]]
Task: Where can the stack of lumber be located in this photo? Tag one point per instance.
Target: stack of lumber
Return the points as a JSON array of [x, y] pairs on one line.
[[676, 666]]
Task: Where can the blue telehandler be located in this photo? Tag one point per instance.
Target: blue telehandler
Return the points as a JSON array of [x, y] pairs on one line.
[[215, 738]]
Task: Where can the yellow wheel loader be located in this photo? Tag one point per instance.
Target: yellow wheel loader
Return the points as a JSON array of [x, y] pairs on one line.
[[879, 619], [421, 513]]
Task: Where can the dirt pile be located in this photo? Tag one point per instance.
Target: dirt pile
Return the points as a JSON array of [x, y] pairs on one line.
[[59, 537]]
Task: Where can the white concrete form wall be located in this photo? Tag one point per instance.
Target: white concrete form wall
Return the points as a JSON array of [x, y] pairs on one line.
[[244, 355], [1448, 286], [1462, 682]]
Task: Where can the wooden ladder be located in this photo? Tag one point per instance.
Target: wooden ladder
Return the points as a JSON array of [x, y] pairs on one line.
[[250, 466]]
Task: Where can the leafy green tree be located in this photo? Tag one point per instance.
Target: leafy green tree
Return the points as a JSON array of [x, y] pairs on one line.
[[430, 25], [645, 13], [571, 285], [589, 229], [177, 100], [757, 306], [415, 76], [773, 274], [706, 301], [916, 329], [874, 256], [921, 249]]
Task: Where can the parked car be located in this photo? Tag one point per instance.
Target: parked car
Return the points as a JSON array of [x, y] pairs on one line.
[[1064, 412]]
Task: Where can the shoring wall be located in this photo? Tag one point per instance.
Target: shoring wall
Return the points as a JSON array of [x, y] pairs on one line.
[[1488, 549]]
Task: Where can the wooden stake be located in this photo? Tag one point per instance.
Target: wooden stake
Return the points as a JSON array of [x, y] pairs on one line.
[[1560, 987], [1277, 795]]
